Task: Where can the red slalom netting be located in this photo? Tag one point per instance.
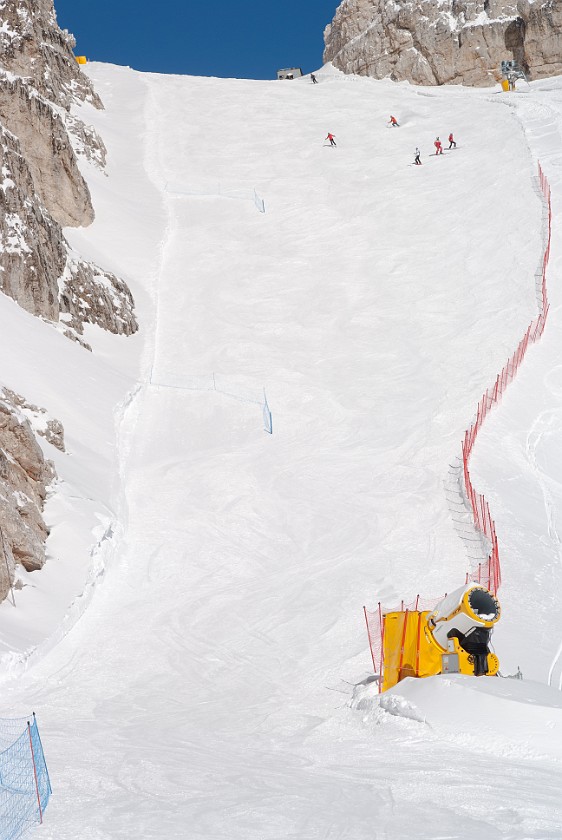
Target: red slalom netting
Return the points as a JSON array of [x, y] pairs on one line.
[[488, 572], [375, 626]]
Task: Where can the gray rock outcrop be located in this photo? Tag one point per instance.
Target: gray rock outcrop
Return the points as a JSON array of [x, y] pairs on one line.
[[41, 186], [42, 190], [435, 42], [90, 295], [24, 478]]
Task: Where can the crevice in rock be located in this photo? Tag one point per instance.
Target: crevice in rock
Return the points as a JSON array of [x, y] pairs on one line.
[[515, 42]]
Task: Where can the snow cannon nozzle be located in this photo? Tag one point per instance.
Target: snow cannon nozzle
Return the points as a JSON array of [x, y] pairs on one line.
[[463, 610], [484, 604]]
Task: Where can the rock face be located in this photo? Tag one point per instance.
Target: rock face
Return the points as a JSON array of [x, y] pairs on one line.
[[434, 42], [41, 187], [97, 297], [38, 77], [24, 478], [41, 191]]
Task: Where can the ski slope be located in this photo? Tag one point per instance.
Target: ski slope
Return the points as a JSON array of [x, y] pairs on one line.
[[216, 684]]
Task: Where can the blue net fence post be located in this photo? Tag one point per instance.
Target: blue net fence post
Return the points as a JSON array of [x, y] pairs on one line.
[[35, 775], [259, 202], [267, 418], [25, 787], [230, 386], [214, 190], [41, 774]]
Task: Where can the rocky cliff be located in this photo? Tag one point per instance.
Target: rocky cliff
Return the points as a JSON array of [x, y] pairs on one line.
[[24, 478], [41, 191], [41, 187], [434, 42]]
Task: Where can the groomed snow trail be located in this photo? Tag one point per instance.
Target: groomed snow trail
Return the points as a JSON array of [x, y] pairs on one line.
[[206, 691], [518, 460]]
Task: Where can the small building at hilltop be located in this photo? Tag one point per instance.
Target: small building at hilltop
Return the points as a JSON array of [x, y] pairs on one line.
[[289, 73]]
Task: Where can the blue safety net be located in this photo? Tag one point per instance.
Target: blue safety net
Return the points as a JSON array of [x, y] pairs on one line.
[[25, 787]]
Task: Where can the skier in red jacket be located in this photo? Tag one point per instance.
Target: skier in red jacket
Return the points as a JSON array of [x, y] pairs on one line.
[[438, 146], [394, 122], [452, 141], [330, 137]]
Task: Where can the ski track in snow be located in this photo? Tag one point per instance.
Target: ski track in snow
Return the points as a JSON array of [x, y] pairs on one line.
[[540, 122], [546, 424], [192, 699]]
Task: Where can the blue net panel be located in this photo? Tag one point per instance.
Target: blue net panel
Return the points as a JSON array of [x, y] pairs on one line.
[[25, 787]]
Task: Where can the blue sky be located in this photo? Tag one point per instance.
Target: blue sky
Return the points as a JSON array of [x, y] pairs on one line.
[[241, 38]]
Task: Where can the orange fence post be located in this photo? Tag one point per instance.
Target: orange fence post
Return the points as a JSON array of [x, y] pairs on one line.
[[403, 643], [35, 772], [381, 629], [370, 641], [417, 671]]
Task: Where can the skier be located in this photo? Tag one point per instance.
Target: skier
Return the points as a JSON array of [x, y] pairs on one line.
[[452, 141], [394, 122], [417, 160], [438, 146], [330, 137], [314, 79]]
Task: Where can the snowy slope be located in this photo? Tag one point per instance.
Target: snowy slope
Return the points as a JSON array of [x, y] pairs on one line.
[[207, 690]]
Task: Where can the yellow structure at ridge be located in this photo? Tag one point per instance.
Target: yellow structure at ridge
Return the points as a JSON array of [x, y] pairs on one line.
[[452, 638], [81, 59]]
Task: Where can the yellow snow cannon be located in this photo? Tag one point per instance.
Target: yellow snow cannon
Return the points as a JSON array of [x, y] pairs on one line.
[[453, 638]]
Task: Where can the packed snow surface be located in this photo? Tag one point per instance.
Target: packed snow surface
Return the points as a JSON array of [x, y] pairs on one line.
[[217, 683]]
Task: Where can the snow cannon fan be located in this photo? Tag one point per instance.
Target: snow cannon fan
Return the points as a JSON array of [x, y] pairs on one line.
[[454, 638]]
